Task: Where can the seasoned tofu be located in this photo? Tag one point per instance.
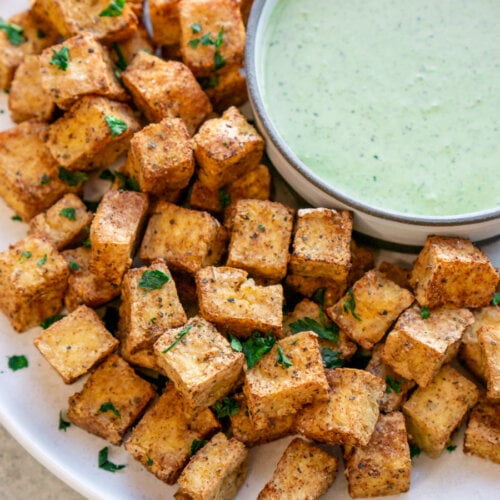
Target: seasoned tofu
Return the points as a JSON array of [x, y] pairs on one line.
[[76, 343], [307, 286], [123, 52], [304, 471], [362, 260], [399, 274], [92, 134], [216, 471], [285, 379], [227, 148], [166, 89], [260, 238], [226, 90], [233, 302], [187, 239], [383, 466], [370, 307], [115, 233], [162, 439], [489, 340], [33, 278], [165, 21], [433, 412], [111, 400], [351, 412], [31, 178], [149, 305], [418, 345], [453, 271]]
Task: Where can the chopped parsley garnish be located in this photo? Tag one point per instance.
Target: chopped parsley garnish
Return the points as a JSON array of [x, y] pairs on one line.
[[153, 320], [109, 406], [74, 266], [179, 337], [224, 198], [25, 256], [210, 82], [451, 447], [331, 359], [69, 213], [206, 40], [86, 243], [121, 62], [281, 359], [318, 296], [61, 58], [196, 446], [261, 228], [392, 385], [13, 31], [327, 332], [153, 280], [196, 28], [219, 60], [116, 126], [350, 305], [414, 451], [105, 464], [127, 182], [256, 346], [45, 179], [51, 320], [63, 424], [42, 261], [149, 462], [235, 344], [424, 312], [17, 362], [194, 43], [226, 407], [114, 9], [71, 178], [16, 218], [495, 301]]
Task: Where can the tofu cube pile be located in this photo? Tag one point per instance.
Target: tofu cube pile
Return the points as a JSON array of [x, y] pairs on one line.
[[206, 317]]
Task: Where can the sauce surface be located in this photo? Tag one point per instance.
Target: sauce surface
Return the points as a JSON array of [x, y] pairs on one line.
[[393, 102]]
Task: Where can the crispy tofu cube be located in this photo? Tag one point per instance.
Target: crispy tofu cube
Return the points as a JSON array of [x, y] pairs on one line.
[[145, 358], [489, 340], [383, 466], [64, 223], [148, 307], [260, 237], [432, 413], [233, 302], [89, 70], [349, 415], [162, 439], [76, 343], [115, 233], [304, 471], [482, 435], [161, 157], [227, 148], [199, 361], [11, 56], [226, 90], [31, 179], [166, 89], [111, 400], [188, 240], [417, 347], [221, 21], [122, 53], [27, 98], [321, 244], [92, 134], [288, 377], [307, 286], [453, 271], [165, 21], [33, 278], [370, 307]]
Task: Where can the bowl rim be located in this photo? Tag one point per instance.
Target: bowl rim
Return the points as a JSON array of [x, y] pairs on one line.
[[279, 143]]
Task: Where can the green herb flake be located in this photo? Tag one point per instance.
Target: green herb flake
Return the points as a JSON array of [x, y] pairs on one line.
[[209, 82], [392, 385], [331, 359], [71, 178], [116, 126], [109, 406], [179, 337], [236, 344], [63, 424], [51, 320], [226, 407], [45, 179], [127, 182], [16, 218], [318, 296], [194, 43], [197, 445], [105, 464], [206, 40], [281, 359], [495, 301], [69, 213], [424, 312], [17, 362], [61, 58], [74, 266], [257, 346], [121, 62], [149, 462], [25, 256], [86, 243], [224, 198], [219, 61], [196, 28], [327, 332], [153, 280], [261, 228], [42, 261], [13, 31], [414, 451], [350, 305], [114, 9], [451, 448]]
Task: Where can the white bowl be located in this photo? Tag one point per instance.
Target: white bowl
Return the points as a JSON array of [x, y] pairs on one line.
[[378, 223]]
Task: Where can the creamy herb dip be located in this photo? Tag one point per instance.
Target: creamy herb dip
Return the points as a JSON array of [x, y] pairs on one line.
[[393, 102]]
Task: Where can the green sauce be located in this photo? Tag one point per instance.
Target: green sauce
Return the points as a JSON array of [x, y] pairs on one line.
[[393, 102]]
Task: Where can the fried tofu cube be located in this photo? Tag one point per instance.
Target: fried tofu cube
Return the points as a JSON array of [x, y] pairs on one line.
[[165, 21], [226, 90], [162, 439], [432, 413], [111, 400], [303, 471], [307, 286], [349, 415], [232, 301], [199, 361], [64, 223], [161, 157], [33, 278], [149, 305], [321, 244], [288, 377], [115, 233], [11, 56], [260, 238], [216, 472], [92, 134], [76, 343], [84, 287], [489, 340], [482, 435], [417, 346], [88, 70], [166, 89], [188, 240], [226, 148], [31, 179], [453, 271], [145, 358], [383, 466], [370, 307]]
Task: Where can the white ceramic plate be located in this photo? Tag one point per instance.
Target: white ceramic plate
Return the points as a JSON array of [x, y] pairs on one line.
[[31, 399]]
